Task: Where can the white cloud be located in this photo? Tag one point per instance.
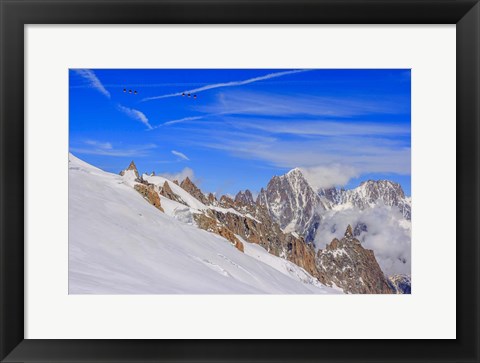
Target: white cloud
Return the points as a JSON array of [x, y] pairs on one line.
[[93, 81], [329, 176], [99, 144], [241, 102], [94, 147], [186, 172], [228, 84], [362, 155], [136, 115], [180, 155], [192, 118], [388, 235], [321, 127]]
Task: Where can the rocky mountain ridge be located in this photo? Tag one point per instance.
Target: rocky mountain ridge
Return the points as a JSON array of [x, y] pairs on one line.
[[294, 204], [278, 220], [348, 265], [369, 194]]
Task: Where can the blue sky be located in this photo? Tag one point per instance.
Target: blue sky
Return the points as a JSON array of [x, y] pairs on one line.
[[246, 125]]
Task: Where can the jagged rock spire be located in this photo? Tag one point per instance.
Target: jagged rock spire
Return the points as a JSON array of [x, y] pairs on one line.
[[349, 232], [226, 202], [193, 190], [244, 198], [133, 167], [167, 192], [348, 265]]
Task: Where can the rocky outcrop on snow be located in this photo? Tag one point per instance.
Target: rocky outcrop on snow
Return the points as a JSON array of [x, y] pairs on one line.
[[167, 192], [348, 265], [211, 225], [192, 189], [263, 231], [401, 284], [132, 167], [149, 193]]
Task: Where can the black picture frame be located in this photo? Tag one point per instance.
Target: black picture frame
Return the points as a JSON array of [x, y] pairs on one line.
[[15, 14]]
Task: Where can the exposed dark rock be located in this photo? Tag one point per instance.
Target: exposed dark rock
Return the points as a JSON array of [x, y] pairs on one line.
[[167, 192], [212, 200], [351, 267], [210, 224], [192, 189], [226, 202], [244, 198], [133, 167], [292, 203], [149, 193]]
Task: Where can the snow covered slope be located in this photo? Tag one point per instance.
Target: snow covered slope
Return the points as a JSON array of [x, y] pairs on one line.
[[120, 244]]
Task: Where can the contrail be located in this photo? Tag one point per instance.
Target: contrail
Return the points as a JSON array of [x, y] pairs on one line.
[[228, 84], [93, 81]]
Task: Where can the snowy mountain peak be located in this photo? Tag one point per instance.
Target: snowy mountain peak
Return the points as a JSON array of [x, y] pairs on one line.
[[369, 194], [297, 172], [379, 188], [292, 203]]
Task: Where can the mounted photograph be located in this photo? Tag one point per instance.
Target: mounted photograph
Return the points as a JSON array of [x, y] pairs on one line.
[[239, 181]]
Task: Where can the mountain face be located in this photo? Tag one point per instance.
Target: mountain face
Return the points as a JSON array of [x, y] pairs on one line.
[[348, 265], [244, 200], [297, 207], [284, 220], [292, 203]]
